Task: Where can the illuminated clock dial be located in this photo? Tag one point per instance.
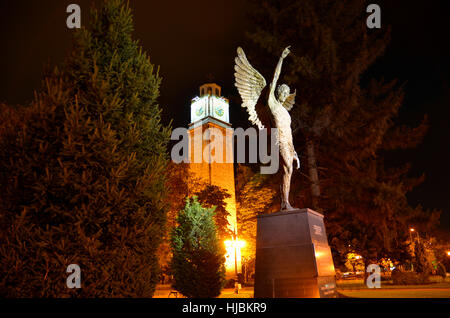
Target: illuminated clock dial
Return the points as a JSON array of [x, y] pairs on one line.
[[199, 111], [219, 111]]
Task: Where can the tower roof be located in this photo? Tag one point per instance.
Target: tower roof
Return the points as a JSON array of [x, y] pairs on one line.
[[210, 89]]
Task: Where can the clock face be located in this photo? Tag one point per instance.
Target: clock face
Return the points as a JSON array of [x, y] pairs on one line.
[[202, 107], [199, 111], [220, 111]]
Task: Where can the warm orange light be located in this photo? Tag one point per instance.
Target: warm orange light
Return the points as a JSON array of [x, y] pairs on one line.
[[233, 244], [233, 249], [412, 230], [448, 253], [353, 256], [318, 254]]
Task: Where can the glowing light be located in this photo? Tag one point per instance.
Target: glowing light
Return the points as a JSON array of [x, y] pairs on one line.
[[214, 106], [412, 230], [448, 253], [233, 243], [353, 256], [233, 249]]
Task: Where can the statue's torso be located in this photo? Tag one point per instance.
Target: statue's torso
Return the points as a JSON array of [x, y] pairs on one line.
[[282, 121]]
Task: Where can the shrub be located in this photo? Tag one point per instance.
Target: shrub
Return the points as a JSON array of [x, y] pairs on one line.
[[229, 283], [441, 270], [408, 278]]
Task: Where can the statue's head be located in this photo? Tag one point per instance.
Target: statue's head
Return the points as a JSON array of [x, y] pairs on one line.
[[283, 92]]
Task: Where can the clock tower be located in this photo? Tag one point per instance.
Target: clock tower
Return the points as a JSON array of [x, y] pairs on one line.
[[211, 157]]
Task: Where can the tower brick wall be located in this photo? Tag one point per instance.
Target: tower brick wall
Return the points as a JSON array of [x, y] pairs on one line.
[[211, 158]]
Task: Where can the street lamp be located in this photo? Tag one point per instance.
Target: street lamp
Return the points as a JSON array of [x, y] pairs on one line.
[[411, 230], [410, 239], [234, 247], [410, 235]]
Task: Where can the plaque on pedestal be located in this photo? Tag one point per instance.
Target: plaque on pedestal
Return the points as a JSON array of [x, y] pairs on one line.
[[293, 258]]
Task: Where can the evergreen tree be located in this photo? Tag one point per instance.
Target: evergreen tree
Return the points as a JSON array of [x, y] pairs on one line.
[[108, 67], [198, 257], [177, 189], [83, 181], [421, 263]]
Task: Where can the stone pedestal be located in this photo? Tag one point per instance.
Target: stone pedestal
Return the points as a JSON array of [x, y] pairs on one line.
[[293, 258]]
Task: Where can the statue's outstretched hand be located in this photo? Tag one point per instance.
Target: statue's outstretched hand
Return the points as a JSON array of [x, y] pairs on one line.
[[286, 52]]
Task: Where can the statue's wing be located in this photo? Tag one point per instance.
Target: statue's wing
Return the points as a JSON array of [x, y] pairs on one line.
[[290, 101], [249, 83]]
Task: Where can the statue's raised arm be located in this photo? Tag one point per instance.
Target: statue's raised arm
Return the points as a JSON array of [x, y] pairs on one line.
[[277, 73]]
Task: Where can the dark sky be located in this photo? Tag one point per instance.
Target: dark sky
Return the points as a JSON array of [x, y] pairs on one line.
[[194, 40]]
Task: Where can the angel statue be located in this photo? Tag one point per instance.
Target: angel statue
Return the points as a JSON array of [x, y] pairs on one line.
[[250, 83]]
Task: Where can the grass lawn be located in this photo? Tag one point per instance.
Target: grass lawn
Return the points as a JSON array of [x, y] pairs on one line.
[[397, 293], [356, 288]]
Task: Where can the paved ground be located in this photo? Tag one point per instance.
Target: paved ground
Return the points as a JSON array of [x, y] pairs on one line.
[[163, 291]]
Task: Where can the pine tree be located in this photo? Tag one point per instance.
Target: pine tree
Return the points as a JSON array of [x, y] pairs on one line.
[[198, 257], [28, 167], [366, 199], [421, 263], [84, 179], [177, 190], [108, 66]]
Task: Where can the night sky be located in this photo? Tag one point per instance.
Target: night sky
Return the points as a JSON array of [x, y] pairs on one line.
[[195, 42]]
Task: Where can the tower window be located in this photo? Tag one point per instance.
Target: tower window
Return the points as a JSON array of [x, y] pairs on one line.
[[217, 92]]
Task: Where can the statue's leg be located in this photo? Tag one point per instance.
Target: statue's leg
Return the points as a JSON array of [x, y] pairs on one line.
[[287, 158]]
